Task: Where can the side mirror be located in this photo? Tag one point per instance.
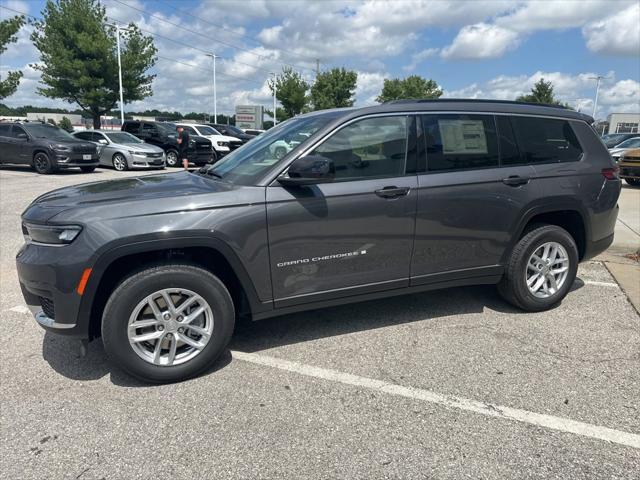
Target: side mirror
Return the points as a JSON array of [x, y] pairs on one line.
[[22, 136], [309, 170], [103, 141]]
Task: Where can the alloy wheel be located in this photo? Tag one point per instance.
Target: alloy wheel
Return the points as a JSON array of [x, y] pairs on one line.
[[170, 327], [547, 269], [119, 162]]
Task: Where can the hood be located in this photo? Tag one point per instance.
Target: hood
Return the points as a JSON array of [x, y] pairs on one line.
[[139, 147], [123, 193]]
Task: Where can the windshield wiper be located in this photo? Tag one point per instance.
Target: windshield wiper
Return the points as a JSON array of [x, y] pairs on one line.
[[209, 171]]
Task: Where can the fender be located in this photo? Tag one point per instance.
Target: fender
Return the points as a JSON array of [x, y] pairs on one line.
[[112, 251], [547, 205]]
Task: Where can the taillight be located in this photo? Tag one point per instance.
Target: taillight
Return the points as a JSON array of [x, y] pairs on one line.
[[610, 173]]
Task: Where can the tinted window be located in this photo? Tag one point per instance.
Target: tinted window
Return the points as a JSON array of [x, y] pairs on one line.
[[373, 147], [148, 127], [131, 127], [509, 153], [460, 142], [16, 130], [84, 135], [191, 130], [4, 130], [545, 140]]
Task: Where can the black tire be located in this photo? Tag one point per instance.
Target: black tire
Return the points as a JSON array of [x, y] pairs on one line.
[[42, 163], [513, 286], [138, 286], [214, 157], [280, 152], [88, 169], [119, 162], [173, 159], [634, 182]]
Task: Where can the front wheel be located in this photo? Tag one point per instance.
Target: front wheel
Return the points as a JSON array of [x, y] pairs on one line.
[[42, 163], [541, 269], [119, 162], [634, 182], [172, 158], [167, 323]]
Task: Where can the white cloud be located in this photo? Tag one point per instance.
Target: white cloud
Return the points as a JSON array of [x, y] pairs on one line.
[[368, 87], [481, 41], [618, 34], [419, 57]]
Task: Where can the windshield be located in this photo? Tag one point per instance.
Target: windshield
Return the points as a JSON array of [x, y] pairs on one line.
[[233, 129], [254, 159], [122, 137], [40, 130], [631, 143], [167, 127], [204, 130]]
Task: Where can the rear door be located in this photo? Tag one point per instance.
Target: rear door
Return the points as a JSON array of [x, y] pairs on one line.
[[355, 234], [470, 196], [5, 142]]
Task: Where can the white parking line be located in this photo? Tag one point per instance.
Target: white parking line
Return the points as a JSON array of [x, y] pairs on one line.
[[601, 284], [20, 309], [508, 413]]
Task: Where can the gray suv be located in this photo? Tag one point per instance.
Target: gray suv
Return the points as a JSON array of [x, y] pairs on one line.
[[398, 198]]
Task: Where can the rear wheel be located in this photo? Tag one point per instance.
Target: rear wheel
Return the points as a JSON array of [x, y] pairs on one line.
[[634, 182], [119, 162], [42, 163], [541, 269], [167, 323], [172, 158]]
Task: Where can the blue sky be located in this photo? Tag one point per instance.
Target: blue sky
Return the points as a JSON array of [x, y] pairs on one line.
[[477, 49]]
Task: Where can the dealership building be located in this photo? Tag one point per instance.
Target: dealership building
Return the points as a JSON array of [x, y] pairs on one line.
[[624, 122]]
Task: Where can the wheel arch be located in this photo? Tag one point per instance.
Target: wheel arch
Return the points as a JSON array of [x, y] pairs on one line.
[[212, 254]]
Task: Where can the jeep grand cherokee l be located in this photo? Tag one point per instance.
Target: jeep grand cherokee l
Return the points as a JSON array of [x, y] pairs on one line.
[[398, 198], [45, 148]]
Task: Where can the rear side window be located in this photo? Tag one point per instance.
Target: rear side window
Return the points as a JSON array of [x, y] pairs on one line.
[[460, 142], [4, 130], [545, 140], [85, 135], [131, 127]]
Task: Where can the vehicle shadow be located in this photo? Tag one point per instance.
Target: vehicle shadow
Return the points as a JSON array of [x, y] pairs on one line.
[[62, 353]]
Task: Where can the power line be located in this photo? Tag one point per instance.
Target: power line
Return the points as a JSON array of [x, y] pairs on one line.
[[208, 70], [195, 32]]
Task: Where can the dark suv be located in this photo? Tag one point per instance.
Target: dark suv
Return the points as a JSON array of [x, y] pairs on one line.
[[45, 147], [398, 198], [232, 131], [165, 136]]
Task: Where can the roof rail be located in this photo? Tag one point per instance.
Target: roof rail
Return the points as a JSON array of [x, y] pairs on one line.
[[472, 100]]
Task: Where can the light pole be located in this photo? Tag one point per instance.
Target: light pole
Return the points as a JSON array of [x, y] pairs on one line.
[[274, 98], [215, 98], [597, 78], [118, 28]]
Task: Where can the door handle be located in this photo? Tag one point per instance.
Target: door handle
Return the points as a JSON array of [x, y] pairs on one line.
[[515, 180], [392, 192]]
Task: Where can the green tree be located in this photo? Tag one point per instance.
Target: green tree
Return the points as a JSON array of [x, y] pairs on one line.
[[411, 87], [542, 92], [78, 57], [334, 89], [291, 91], [8, 30], [65, 124]]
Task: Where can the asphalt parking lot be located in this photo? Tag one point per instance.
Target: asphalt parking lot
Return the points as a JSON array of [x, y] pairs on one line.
[[448, 384]]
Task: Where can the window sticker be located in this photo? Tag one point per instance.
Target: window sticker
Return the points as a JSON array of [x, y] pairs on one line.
[[463, 137]]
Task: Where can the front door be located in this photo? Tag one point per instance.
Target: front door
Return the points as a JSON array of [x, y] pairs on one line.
[[355, 234], [470, 197]]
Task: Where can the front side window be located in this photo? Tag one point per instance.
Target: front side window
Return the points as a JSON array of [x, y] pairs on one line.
[[4, 130], [460, 142], [40, 130], [545, 140], [369, 148], [84, 136]]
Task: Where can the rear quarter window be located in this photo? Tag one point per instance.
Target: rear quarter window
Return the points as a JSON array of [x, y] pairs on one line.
[[545, 140]]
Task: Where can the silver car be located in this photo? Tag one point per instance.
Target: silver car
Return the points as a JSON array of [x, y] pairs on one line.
[[123, 151]]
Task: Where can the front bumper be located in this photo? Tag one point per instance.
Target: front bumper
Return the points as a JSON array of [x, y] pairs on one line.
[[73, 160], [141, 160]]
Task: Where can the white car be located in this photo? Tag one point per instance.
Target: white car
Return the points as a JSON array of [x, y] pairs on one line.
[[222, 144], [619, 150]]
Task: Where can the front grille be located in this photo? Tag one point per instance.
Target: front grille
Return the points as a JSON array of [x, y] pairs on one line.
[[234, 145], [48, 307], [82, 149], [154, 155]]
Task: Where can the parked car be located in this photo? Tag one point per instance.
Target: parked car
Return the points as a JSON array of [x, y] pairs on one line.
[[222, 144], [123, 151], [629, 165], [232, 131], [45, 147], [164, 135], [614, 139], [280, 148], [621, 148], [393, 199]]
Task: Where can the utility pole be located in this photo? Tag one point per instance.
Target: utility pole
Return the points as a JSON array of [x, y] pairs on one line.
[[215, 98], [597, 78], [274, 98], [317, 67], [118, 28]]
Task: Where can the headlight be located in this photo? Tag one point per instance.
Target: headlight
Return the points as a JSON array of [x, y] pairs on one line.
[[60, 148], [50, 234], [223, 144], [133, 152]]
